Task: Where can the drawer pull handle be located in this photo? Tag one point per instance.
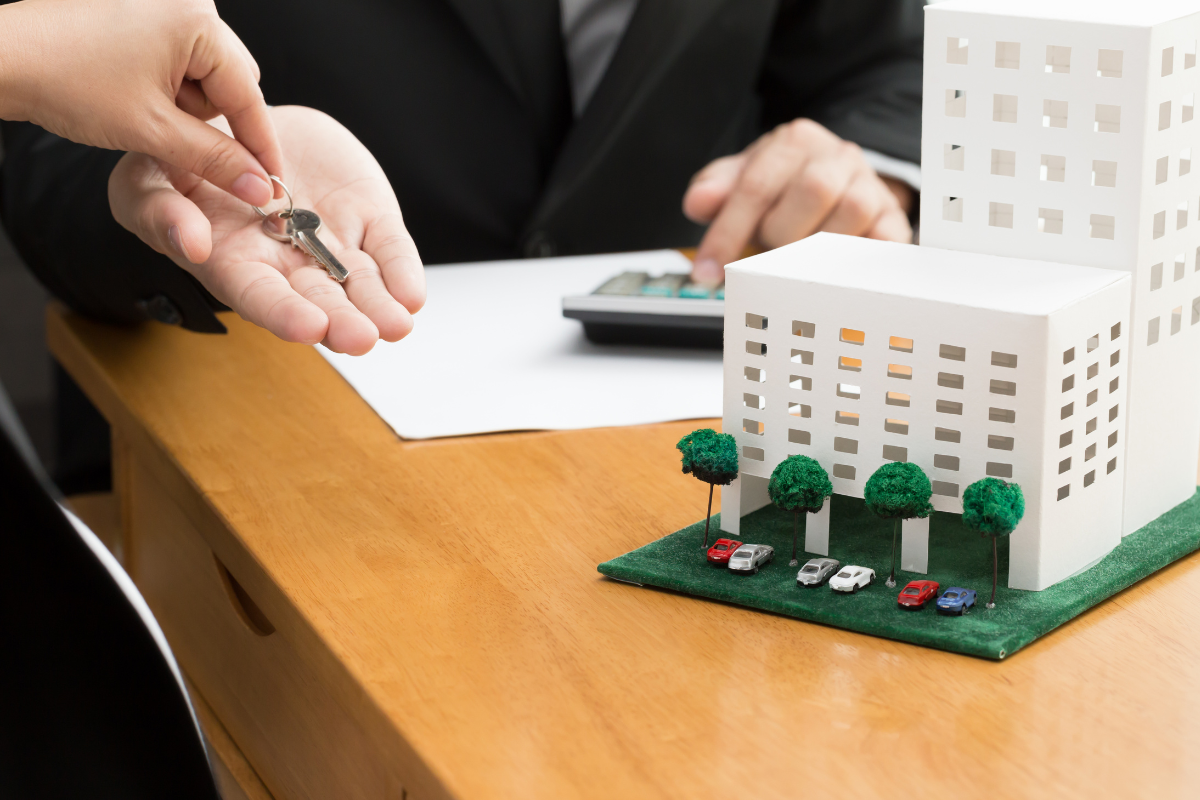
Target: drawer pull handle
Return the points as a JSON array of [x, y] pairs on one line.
[[247, 610]]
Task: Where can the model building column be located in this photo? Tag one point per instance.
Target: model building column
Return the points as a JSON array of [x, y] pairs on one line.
[[914, 545], [816, 530]]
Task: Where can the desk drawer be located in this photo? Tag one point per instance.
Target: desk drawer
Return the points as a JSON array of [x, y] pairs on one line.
[[283, 702]]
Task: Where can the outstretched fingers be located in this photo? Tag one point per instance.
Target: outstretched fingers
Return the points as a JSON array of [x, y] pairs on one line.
[[391, 246], [259, 293]]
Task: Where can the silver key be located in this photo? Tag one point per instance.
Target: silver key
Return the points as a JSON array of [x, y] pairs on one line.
[[300, 228]]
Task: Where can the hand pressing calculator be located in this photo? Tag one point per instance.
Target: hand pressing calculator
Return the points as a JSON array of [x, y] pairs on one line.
[[634, 308]]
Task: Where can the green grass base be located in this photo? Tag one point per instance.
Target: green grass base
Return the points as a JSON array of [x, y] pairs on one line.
[[957, 557]]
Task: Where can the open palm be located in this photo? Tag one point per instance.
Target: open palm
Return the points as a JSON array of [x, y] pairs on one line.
[[220, 239]]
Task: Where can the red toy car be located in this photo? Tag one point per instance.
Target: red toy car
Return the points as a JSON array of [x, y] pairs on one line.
[[721, 550], [918, 593]]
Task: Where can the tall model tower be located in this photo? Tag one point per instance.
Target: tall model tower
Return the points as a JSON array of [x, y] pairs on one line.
[[1064, 130]]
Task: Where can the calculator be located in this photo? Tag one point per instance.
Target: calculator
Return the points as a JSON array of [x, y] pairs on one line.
[[637, 308]]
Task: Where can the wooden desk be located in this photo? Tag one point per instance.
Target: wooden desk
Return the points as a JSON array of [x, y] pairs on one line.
[[439, 628]]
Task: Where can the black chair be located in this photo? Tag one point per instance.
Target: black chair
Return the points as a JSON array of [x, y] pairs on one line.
[[89, 704]]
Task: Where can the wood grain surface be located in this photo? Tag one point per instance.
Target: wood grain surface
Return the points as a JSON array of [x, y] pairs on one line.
[[444, 594]]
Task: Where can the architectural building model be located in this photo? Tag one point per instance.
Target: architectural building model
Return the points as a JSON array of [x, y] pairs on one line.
[[1046, 331]]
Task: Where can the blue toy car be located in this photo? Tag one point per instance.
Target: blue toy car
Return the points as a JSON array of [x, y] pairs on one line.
[[956, 600]]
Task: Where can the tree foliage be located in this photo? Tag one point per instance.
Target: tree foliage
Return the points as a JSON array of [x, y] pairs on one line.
[[712, 457], [899, 490], [993, 507], [799, 484]]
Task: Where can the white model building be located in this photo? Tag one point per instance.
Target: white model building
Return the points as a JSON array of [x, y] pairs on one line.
[[1064, 130], [1057, 183], [857, 352]]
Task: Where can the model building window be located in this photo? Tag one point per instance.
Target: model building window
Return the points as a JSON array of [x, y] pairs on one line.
[[945, 489], [1156, 272], [1093, 370], [1068, 383], [1168, 61], [1064, 492], [846, 418], [950, 380], [1114, 332], [949, 407], [1176, 319], [952, 209], [1112, 412], [946, 462], [947, 435], [1104, 173], [1064, 465], [802, 357], [756, 348], [1114, 358], [1114, 384], [896, 426], [1003, 387], [996, 469], [954, 157], [1112, 439], [845, 445], [1181, 216], [1185, 161], [1152, 332], [1004, 108], [1054, 168], [1002, 415], [1093, 342], [753, 453], [806, 329], [751, 426], [1189, 55], [851, 336], [1007, 360], [754, 401], [849, 390], [1067, 411], [1008, 55], [1050, 220], [1162, 170], [1195, 310], [1058, 59], [800, 382], [899, 371], [1109, 64], [952, 352], [799, 410], [956, 50], [1102, 226], [1112, 465], [843, 471], [1180, 266], [1093, 396], [1069, 355], [1108, 119], [901, 344], [1000, 215], [796, 436], [1091, 426], [1004, 162], [1054, 113], [755, 374], [1164, 115], [1187, 108], [1090, 452], [898, 399], [757, 322], [956, 103], [893, 452], [851, 364], [1160, 224], [1000, 442], [1065, 439]]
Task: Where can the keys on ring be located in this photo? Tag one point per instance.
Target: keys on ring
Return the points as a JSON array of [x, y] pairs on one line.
[[299, 227]]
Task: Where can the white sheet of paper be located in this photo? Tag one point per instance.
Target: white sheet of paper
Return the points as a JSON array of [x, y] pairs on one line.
[[491, 351]]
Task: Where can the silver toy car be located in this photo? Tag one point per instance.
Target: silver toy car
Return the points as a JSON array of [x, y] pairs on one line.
[[749, 558], [817, 571], [851, 579]]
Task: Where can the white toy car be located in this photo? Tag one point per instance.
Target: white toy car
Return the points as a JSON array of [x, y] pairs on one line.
[[851, 578], [749, 558]]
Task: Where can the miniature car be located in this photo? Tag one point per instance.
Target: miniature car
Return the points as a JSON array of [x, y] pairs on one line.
[[917, 594], [851, 579], [956, 600], [750, 558], [817, 571], [721, 550]]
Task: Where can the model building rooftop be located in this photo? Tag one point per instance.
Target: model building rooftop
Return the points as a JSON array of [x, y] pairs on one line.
[[1012, 285], [1142, 13]]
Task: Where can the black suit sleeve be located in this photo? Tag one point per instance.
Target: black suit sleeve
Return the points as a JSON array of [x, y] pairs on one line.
[[852, 65], [54, 204]]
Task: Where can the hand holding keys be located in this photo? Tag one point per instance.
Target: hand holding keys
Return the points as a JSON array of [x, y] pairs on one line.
[[300, 227]]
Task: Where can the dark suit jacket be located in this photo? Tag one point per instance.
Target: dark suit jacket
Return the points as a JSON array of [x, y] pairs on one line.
[[466, 104]]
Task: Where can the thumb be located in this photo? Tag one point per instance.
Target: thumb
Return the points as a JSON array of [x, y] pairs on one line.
[[711, 187], [199, 148]]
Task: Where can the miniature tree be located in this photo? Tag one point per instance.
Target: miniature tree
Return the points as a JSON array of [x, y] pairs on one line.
[[711, 457], [898, 490], [993, 508], [799, 484]]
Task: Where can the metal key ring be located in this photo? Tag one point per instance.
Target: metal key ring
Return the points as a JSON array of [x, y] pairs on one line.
[[291, 203]]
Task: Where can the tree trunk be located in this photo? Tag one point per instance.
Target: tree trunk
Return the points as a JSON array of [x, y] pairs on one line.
[[795, 534], [708, 516], [891, 581], [995, 573]]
